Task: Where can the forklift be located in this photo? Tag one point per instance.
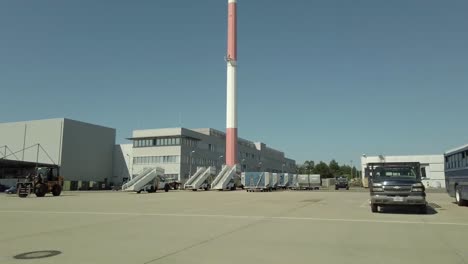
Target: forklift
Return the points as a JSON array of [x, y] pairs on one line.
[[41, 181]]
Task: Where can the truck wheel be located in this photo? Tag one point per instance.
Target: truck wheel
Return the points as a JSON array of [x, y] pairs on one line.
[[40, 190], [139, 191], [458, 196], [166, 187], [374, 208], [347, 188], [56, 190], [336, 188]]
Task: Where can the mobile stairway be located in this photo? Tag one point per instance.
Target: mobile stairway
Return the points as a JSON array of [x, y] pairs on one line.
[[200, 180], [144, 178], [227, 179]]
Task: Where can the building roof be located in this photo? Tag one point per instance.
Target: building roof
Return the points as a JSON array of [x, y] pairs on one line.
[[6, 163], [456, 149], [60, 119]]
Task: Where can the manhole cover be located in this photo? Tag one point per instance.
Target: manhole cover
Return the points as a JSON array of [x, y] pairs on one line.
[[38, 254]]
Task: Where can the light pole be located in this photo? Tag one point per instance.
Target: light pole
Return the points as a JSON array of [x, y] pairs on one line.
[[190, 170], [220, 162], [351, 162], [130, 164]]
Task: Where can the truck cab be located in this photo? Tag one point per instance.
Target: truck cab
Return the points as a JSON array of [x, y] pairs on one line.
[[396, 184], [341, 182]]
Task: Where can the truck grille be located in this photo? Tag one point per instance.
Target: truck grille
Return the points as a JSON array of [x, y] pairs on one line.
[[397, 188]]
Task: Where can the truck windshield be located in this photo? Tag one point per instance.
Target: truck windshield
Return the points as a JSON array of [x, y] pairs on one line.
[[395, 172]]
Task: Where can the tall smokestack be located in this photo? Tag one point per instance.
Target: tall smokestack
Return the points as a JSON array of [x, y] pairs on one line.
[[231, 109]]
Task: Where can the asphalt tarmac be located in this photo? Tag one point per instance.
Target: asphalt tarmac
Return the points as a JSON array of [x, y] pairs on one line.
[[228, 227]]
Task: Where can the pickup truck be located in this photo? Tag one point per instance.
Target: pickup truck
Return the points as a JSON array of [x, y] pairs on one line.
[[396, 184], [341, 182]]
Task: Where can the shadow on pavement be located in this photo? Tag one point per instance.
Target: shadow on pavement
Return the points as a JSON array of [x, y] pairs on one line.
[[406, 210]]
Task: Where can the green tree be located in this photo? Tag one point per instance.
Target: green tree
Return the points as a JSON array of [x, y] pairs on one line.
[[309, 166], [334, 168], [322, 169], [345, 170]]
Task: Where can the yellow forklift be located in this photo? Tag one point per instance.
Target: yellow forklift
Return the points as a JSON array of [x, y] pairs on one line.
[[41, 181]]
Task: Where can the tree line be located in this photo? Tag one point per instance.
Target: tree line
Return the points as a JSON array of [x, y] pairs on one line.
[[331, 170]]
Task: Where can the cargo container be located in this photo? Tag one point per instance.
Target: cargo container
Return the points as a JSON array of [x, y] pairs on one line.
[[307, 182], [275, 180], [257, 181], [286, 180]]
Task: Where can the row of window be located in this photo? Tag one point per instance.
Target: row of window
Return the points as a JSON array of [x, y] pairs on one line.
[[167, 141], [202, 161], [156, 160], [458, 160], [248, 155]]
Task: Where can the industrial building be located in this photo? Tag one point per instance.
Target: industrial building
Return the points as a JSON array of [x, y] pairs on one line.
[[179, 151], [87, 153], [432, 167], [83, 151]]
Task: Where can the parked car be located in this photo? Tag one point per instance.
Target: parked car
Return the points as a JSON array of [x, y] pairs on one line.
[[3, 188], [11, 190]]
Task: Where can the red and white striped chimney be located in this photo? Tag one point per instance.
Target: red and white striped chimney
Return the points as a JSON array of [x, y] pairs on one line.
[[231, 105]]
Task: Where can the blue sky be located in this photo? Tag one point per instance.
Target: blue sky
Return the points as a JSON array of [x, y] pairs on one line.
[[318, 79]]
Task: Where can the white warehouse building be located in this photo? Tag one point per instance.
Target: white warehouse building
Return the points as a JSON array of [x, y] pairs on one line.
[[432, 167], [82, 150], [174, 149]]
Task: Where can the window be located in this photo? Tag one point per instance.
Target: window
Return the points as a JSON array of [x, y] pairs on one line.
[[423, 172], [177, 141]]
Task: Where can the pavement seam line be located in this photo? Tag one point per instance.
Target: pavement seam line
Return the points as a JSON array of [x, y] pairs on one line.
[[246, 217]]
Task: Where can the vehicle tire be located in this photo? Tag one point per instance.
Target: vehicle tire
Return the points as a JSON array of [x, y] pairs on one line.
[[22, 195], [206, 188], [422, 209], [336, 188], [40, 190], [347, 188], [166, 187], [139, 191], [56, 190], [194, 190], [458, 197], [374, 208]]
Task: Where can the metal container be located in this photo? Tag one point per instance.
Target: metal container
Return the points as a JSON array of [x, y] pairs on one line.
[[275, 180], [285, 180], [308, 182], [257, 180]]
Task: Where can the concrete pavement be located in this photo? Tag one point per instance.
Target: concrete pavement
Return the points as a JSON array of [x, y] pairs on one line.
[[228, 227]]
